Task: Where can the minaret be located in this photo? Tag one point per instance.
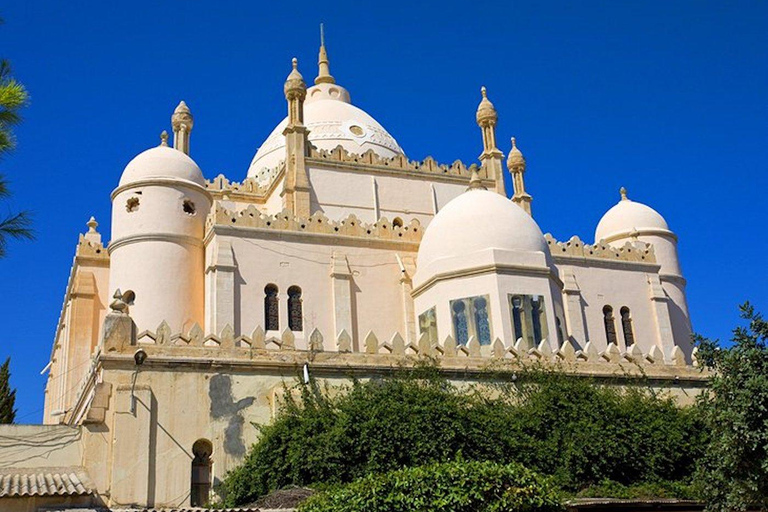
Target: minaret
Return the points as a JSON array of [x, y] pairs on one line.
[[182, 123], [323, 66], [491, 157], [516, 166], [296, 189]]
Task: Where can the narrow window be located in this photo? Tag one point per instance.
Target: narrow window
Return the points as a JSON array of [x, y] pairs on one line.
[[295, 320], [470, 318], [517, 316], [201, 473], [271, 309], [188, 206], [460, 327], [610, 325], [529, 319], [428, 324], [626, 326]]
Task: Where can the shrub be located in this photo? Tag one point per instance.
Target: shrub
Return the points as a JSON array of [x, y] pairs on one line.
[[580, 432], [445, 487]]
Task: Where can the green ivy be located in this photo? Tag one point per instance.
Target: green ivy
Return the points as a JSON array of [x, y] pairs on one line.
[[446, 487], [573, 429]]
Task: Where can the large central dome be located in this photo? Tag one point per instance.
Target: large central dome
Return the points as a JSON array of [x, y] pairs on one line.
[[332, 121]]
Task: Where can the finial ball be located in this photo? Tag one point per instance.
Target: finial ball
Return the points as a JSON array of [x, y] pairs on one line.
[[623, 192]]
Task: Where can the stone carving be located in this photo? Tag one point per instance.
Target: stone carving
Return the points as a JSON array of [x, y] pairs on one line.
[[637, 251]]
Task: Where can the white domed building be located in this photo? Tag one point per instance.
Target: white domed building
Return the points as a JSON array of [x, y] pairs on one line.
[[332, 254]]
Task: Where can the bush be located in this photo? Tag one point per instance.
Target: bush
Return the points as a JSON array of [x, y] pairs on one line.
[[446, 487], [573, 429]]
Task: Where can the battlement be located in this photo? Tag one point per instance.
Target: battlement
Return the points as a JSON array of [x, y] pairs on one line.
[[252, 189], [640, 252], [292, 347], [371, 161], [318, 223]]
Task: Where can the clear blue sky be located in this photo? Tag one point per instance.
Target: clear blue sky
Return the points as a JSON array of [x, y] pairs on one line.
[[667, 98]]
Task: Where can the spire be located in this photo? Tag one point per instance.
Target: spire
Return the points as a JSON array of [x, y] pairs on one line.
[[324, 69], [182, 122], [623, 192], [516, 166], [163, 140], [491, 158]]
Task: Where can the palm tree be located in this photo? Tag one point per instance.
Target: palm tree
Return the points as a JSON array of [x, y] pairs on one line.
[[13, 96]]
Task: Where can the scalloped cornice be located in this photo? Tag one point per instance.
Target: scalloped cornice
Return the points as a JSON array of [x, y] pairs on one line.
[[251, 217], [637, 252]]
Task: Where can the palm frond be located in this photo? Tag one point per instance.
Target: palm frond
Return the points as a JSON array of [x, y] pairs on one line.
[[17, 226]]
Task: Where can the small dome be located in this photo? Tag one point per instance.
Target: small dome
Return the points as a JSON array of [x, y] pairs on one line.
[[477, 220], [332, 121], [626, 217], [162, 162]]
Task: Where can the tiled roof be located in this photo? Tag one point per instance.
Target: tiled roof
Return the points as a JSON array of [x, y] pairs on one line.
[[70, 481]]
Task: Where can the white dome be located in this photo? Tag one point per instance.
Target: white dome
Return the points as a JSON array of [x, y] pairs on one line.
[[162, 162], [478, 220], [332, 121], [628, 216]]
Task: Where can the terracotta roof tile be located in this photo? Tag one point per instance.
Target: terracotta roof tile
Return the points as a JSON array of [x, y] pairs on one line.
[[70, 481]]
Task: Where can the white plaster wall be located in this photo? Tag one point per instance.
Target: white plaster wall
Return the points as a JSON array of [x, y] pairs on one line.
[[497, 288], [616, 287], [377, 301], [339, 193], [157, 252]]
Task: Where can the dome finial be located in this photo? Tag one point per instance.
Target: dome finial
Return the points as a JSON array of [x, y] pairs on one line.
[[475, 183], [324, 68], [164, 139], [623, 192]]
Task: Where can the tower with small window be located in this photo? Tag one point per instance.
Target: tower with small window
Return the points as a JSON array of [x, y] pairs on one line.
[[158, 219]]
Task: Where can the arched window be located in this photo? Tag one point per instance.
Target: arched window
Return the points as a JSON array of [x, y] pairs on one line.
[[295, 320], [610, 325], [397, 223], [201, 473], [271, 309], [626, 326]]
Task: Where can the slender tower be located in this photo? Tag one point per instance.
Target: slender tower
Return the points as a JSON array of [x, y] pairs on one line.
[[491, 158]]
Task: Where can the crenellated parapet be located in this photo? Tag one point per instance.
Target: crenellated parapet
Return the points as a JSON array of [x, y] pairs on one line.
[[318, 223], [370, 161], [251, 189], [377, 349], [639, 252]]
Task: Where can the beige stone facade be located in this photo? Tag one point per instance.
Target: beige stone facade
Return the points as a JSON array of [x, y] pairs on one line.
[[335, 256]]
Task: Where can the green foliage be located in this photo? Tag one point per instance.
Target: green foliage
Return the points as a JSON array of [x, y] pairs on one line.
[[445, 487], [7, 394], [13, 97], [642, 491], [571, 428], [734, 471]]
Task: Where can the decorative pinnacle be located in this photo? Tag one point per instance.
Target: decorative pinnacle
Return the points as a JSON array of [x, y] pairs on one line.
[[323, 65], [515, 161], [475, 183], [92, 225], [486, 112], [163, 140], [182, 118], [623, 192]]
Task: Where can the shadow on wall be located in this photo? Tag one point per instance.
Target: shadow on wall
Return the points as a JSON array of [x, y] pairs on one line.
[[224, 407]]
